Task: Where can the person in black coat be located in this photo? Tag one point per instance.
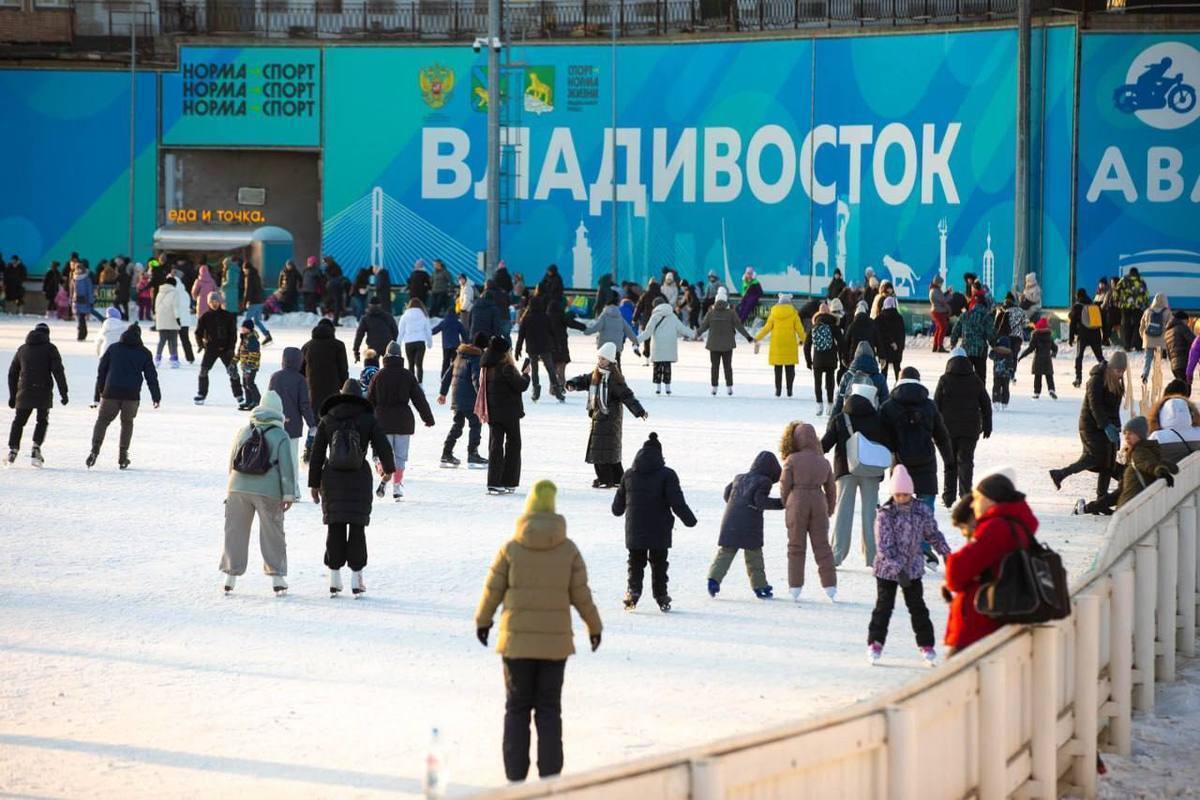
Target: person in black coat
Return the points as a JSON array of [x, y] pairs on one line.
[[914, 428], [50, 283], [1178, 341], [378, 327], [836, 285], [486, 317], [381, 280], [1099, 425], [1081, 337], [503, 281], [391, 391], [533, 333], [217, 335], [461, 384], [339, 476], [419, 283], [119, 390], [562, 320], [551, 285], [650, 498], [822, 347], [35, 368], [123, 291], [861, 329], [502, 386], [962, 400], [289, 283], [323, 362], [747, 497], [1044, 349], [889, 331], [15, 275]]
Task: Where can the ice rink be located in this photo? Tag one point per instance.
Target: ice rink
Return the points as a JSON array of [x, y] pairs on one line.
[[125, 672]]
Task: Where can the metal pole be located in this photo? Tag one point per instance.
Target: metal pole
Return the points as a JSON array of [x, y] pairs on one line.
[[132, 120], [1021, 199], [493, 138], [613, 152]]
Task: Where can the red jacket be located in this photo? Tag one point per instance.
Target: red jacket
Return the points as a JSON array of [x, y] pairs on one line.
[[998, 532]]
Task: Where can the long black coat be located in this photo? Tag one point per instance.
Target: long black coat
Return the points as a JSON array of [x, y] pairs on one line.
[[391, 391], [323, 363], [650, 498], [1178, 341], [746, 498], [864, 419], [504, 388], [1100, 409], [889, 332], [910, 397], [346, 495], [862, 329], [823, 359], [963, 401], [1044, 349], [419, 285], [485, 317], [124, 279], [534, 332], [605, 437], [379, 328], [34, 369], [560, 322], [252, 288]]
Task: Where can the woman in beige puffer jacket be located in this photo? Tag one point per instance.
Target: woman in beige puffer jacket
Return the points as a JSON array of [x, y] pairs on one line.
[[809, 496]]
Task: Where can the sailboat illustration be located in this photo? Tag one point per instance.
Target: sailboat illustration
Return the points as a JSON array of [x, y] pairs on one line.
[[790, 280]]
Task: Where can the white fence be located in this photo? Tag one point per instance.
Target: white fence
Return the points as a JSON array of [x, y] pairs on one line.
[[1019, 714]]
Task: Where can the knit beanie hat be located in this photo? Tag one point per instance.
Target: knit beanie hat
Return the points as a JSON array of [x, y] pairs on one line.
[[1138, 426], [958, 352], [312, 261], [216, 297], [861, 308], [112, 313], [44, 327], [1042, 324], [910, 374], [248, 324], [1176, 388], [998, 488], [352, 387], [722, 295], [394, 349], [653, 442], [607, 351], [541, 498], [902, 482], [499, 345], [1118, 361]]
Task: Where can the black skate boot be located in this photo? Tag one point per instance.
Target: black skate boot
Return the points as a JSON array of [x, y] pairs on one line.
[[123, 461], [537, 394], [631, 600], [35, 457], [12, 457], [91, 459], [448, 459], [664, 603], [476, 461]]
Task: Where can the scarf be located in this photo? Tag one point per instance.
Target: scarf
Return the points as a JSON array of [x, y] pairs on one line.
[[598, 391], [481, 407]]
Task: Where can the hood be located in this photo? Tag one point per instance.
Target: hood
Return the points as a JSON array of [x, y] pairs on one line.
[[1018, 511], [110, 325], [469, 351], [205, 275], [132, 336], [649, 459], [1175, 413], [269, 411], [959, 365], [343, 406], [541, 530], [663, 309], [392, 362], [826, 317], [804, 437], [783, 309], [38, 336], [323, 331], [767, 465], [865, 363], [376, 311], [292, 358], [1160, 302], [858, 406], [910, 392]]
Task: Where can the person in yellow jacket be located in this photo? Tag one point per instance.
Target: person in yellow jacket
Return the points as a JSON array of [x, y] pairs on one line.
[[537, 575], [787, 334]]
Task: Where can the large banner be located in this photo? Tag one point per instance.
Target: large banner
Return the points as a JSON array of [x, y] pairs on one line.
[[243, 96], [64, 178], [1139, 162], [796, 157]]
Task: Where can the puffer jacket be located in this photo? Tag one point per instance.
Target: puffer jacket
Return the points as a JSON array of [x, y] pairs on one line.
[[292, 389], [166, 308], [900, 530], [746, 498], [610, 326], [663, 331], [786, 332], [823, 359], [963, 401], [1146, 464], [379, 328], [217, 331], [909, 400], [392, 390], [110, 333], [414, 327], [123, 367], [538, 576], [461, 381], [279, 481], [323, 362], [1131, 293], [1178, 341], [1176, 429], [503, 385], [650, 498], [1044, 349], [864, 364], [34, 370], [204, 286], [722, 327], [346, 494], [1100, 409], [1161, 309], [861, 329], [864, 419], [806, 485], [975, 331]]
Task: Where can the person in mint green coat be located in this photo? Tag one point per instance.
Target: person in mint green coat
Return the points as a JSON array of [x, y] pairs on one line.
[[267, 496], [231, 283]]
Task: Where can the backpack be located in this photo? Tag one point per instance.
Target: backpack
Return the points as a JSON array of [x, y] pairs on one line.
[[1092, 317], [1154, 325], [864, 458], [822, 338], [1031, 587], [914, 445], [253, 456], [346, 451]]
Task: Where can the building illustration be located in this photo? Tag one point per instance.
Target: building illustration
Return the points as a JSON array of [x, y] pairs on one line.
[[581, 258], [989, 262], [943, 228], [843, 220]]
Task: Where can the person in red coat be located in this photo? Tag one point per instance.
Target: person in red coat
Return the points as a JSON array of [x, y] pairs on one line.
[[1004, 523]]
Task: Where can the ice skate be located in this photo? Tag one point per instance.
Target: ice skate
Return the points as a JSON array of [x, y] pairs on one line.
[[1053, 395], [820, 409], [831, 593], [664, 603], [729, 391], [335, 582], [381, 489], [91, 459], [929, 656], [449, 461], [1036, 396], [279, 585], [765, 593], [657, 389], [476, 461], [1080, 507], [398, 492], [174, 363], [668, 388], [510, 490], [12, 457], [267, 340], [795, 592], [874, 652], [123, 461], [230, 582], [198, 399], [537, 394], [496, 491], [356, 583], [1057, 477], [35, 457], [714, 587], [1076, 383], [631, 600], [714, 391]]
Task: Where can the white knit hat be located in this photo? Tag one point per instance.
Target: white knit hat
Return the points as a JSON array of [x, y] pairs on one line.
[[607, 351], [722, 295]]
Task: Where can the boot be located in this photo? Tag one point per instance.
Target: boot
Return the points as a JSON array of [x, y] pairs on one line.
[[123, 461], [230, 582], [729, 391], [448, 459], [820, 409], [1057, 477], [714, 587], [631, 600], [267, 340], [537, 394], [279, 584], [35, 457], [476, 461], [356, 583], [12, 457], [91, 459], [664, 603], [335, 582], [714, 391]]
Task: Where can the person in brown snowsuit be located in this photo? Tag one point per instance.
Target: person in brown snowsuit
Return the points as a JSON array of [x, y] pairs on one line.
[[809, 496]]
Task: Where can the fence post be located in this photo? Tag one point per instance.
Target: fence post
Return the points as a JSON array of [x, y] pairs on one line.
[[902, 746], [1120, 660], [1044, 745], [1168, 577], [1087, 671], [1187, 576], [1145, 579], [706, 779], [993, 732]]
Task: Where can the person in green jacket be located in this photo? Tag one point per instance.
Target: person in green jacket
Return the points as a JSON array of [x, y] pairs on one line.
[[974, 329], [268, 495]]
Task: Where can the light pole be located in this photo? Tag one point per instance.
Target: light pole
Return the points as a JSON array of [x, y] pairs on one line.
[[613, 139], [132, 119], [1021, 189], [493, 137]]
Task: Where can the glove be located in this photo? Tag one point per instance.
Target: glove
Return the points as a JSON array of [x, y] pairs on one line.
[[595, 640], [12, 402], [482, 634], [948, 498], [1113, 433], [1168, 479], [947, 595], [987, 434], [356, 356], [64, 399]]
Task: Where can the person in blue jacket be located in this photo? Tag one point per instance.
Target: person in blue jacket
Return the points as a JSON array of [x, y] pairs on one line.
[[119, 390], [864, 369], [453, 334], [83, 296], [746, 498], [461, 384]]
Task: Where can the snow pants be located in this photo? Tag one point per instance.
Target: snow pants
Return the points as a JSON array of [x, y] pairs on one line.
[[208, 361], [18, 426], [240, 510], [1037, 381], [346, 544], [809, 522], [885, 602], [755, 567], [662, 372], [960, 475], [533, 685], [637, 572], [109, 410], [843, 519], [456, 429]]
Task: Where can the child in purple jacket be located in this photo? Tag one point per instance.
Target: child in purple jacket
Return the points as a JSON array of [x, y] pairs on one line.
[[901, 527]]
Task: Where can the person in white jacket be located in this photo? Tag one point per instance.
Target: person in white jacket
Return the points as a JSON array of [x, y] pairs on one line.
[[663, 331], [183, 312], [166, 321], [416, 336], [1175, 425], [111, 330]]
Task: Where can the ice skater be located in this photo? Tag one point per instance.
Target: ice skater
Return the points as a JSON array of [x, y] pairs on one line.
[[32, 375], [119, 391], [392, 391], [747, 497]]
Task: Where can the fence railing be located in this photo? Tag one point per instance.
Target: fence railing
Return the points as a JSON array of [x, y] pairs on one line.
[[1022, 713]]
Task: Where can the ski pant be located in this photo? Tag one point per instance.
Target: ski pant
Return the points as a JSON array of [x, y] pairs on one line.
[[414, 352], [823, 374], [1037, 381], [461, 417], [546, 360], [170, 339], [609, 473], [109, 410], [941, 326], [980, 365], [722, 360], [815, 529], [186, 343], [207, 363], [18, 426], [240, 510], [1130, 319], [533, 685], [790, 371], [638, 558], [662, 372], [960, 474], [1105, 466], [252, 395], [755, 566], [504, 453], [1000, 391], [885, 602], [843, 520], [346, 544]]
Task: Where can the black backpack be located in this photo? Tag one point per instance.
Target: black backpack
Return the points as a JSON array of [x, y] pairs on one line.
[[914, 445], [253, 456], [1031, 587], [345, 448]]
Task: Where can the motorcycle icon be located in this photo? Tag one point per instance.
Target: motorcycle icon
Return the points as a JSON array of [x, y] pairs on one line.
[[1154, 90]]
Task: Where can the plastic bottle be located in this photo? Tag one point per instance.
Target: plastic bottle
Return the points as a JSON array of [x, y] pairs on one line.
[[434, 784]]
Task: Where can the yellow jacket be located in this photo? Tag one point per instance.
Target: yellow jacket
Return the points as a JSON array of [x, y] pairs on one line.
[[537, 575], [783, 324]]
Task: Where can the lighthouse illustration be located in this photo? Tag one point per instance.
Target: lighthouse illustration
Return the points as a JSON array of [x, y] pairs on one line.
[[818, 279], [989, 262], [943, 228], [581, 266]]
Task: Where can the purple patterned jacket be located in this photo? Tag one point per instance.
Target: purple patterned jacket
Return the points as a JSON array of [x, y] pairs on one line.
[[899, 533]]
